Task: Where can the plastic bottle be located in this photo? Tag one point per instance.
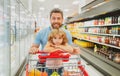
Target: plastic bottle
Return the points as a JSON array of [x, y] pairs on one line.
[[119, 20], [95, 48]]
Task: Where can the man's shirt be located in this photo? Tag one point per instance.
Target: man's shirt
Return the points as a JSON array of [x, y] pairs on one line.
[[42, 37]]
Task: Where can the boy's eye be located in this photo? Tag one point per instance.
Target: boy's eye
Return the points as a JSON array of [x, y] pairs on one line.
[[60, 38]]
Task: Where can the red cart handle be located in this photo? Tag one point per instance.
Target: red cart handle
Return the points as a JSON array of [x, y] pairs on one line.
[[55, 54]]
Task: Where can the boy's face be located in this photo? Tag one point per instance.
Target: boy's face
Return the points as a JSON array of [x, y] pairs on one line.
[[56, 20], [57, 40]]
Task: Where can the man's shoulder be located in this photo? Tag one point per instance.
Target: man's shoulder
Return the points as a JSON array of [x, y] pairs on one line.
[[66, 31], [44, 30]]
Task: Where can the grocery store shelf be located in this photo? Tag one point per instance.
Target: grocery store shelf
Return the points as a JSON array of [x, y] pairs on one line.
[[105, 66], [114, 35], [101, 43], [91, 4], [98, 42], [99, 25], [100, 10]]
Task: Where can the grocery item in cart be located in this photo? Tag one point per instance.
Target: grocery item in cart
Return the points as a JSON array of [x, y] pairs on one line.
[[34, 72], [54, 74]]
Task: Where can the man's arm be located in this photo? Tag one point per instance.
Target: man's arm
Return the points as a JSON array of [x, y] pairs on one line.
[[69, 38], [35, 46]]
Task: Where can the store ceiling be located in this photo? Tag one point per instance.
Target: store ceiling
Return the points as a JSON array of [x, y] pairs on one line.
[[42, 8]]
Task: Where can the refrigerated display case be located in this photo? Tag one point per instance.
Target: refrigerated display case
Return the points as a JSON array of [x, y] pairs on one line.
[[4, 38], [21, 22], [15, 36], [15, 61]]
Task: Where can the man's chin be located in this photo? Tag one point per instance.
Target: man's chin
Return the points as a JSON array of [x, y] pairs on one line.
[[56, 27]]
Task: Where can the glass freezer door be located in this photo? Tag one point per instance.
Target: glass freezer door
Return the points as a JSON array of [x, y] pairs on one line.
[[4, 38], [15, 15]]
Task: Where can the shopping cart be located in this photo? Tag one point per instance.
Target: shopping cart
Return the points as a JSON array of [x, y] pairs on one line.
[[71, 64]]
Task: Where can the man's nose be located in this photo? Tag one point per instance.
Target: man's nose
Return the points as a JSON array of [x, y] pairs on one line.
[[56, 20]]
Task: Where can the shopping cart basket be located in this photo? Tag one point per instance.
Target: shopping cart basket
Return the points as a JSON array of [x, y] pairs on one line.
[[71, 64]]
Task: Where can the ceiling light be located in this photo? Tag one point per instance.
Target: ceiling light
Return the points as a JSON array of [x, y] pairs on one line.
[[13, 7], [41, 0], [66, 10], [41, 8], [75, 2], [23, 12], [34, 15], [56, 6]]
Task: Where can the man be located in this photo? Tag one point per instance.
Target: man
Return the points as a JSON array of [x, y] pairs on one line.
[[56, 19]]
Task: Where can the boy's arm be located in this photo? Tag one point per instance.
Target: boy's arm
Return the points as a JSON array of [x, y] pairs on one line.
[[66, 48], [49, 48]]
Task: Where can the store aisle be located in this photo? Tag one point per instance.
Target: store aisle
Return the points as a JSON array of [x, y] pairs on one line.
[[90, 69]]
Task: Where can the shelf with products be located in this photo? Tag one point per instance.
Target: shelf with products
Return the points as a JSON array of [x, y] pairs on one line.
[[103, 54], [96, 11], [100, 62], [101, 34], [102, 29], [99, 25], [101, 43], [106, 33]]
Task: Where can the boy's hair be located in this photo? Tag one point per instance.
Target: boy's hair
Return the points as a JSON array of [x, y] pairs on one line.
[[56, 10], [59, 32]]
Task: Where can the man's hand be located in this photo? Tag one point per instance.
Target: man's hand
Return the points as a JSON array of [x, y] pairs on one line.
[[76, 50], [33, 50]]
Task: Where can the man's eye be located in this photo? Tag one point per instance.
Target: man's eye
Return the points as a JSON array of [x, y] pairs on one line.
[[53, 18]]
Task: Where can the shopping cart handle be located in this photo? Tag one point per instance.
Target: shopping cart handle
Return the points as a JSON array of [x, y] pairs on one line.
[[41, 52], [55, 54]]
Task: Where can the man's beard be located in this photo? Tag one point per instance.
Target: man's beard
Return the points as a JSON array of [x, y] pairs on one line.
[[56, 25]]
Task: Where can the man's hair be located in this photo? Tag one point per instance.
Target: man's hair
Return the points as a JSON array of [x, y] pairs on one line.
[[59, 32], [56, 10]]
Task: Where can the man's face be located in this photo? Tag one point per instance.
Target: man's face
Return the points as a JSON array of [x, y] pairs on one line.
[[56, 20]]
